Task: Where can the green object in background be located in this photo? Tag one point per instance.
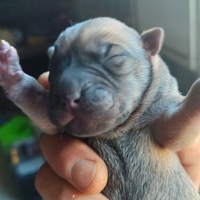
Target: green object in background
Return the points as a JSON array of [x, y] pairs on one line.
[[18, 128]]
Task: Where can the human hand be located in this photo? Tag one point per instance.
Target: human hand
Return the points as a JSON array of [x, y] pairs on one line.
[[190, 159], [55, 179], [72, 171]]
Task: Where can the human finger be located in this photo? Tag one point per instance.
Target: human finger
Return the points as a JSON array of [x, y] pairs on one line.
[[43, 80], [190, 159], [51, 187], [75, 162]]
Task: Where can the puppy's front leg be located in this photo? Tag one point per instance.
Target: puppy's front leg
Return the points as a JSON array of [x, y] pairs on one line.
[[180, 125], [23, 89]]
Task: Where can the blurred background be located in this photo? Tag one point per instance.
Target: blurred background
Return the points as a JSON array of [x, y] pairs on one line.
[[32, 26]]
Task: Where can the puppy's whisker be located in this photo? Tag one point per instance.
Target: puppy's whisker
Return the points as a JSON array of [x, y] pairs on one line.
[[71, 22]]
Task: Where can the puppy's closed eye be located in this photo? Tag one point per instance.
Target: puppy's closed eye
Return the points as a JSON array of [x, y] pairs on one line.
[[115, 63]]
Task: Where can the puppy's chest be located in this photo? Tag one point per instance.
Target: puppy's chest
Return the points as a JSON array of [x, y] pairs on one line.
[[128, 159], [137, 171]]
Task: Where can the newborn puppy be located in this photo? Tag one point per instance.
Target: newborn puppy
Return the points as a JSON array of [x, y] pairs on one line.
[[109, 86]]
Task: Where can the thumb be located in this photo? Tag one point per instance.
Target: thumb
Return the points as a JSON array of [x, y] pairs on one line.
[[75, 162]]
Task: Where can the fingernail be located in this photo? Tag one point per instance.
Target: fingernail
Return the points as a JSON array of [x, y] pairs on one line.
[[82, 173]]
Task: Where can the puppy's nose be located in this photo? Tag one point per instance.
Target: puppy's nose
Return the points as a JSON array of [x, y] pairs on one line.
[[72, 100]]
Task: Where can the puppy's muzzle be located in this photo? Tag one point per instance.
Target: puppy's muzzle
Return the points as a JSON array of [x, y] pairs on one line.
[[92, 97]]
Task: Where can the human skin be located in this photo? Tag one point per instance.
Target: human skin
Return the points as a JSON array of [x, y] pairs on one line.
[[74, 171]]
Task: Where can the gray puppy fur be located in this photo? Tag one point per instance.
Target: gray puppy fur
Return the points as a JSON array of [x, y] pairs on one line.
[[109, 86]]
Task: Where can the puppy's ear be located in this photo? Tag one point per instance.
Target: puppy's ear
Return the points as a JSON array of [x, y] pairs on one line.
[[50, 51], [152, 40]]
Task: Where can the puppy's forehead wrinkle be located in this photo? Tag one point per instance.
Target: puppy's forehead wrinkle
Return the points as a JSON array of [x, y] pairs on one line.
[[103, 51], [99, 48], [97, 51]]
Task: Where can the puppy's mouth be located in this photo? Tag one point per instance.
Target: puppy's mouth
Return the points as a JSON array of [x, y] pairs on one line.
[[90, 116], [67, 118]]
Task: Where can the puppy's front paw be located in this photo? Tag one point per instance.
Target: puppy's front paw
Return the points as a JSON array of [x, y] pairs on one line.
[[10, 70]]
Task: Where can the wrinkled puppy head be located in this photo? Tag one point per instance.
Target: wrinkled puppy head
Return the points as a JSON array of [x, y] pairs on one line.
[[99, 70]]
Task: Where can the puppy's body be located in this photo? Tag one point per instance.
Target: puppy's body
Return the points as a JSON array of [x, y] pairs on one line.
[[139, 171], [109, 86], [143, 169]]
